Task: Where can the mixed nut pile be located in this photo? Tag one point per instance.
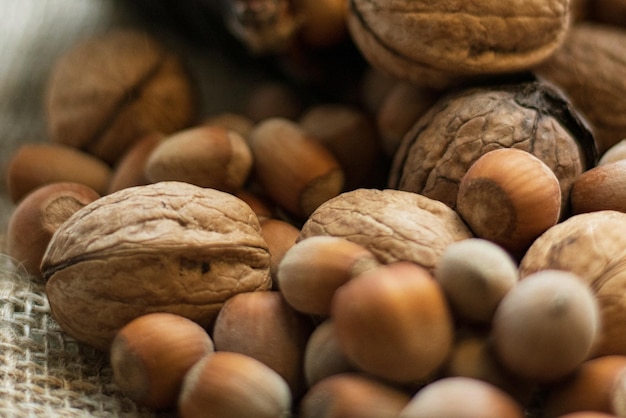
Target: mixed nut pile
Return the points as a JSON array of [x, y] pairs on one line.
[[452, 245]]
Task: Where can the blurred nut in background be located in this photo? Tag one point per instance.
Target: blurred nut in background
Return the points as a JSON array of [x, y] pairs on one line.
[[106, 92], [130, 170]]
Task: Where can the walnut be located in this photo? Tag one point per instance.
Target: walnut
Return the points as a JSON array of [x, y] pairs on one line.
[[168, 246], [437, 43], [593, 246], [439, 149], [589, 68], [393, 224]]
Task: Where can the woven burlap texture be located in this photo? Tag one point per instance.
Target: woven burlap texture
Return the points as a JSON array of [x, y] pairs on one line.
[[43, 372]]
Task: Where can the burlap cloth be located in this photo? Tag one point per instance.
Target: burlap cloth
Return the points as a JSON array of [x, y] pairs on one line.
[[44, 373]]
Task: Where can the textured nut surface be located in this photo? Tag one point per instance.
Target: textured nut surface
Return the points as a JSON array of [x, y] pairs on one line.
[[433, 43], [106, 92], [461, 127], [593, 246], [168, 247], [393, 224], [589, 67]]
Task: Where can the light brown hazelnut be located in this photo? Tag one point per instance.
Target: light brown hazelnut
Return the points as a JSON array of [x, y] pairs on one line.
[[38, 215], [263, 326], [475, 274], [546, 326], [510, 197], [34, 165], [314, 268], [261, 205], [176, 247], [394, 323], [461, 397], [615, 153], [151, 355], [590, 388], [322, 356], [600, 188], [352, 395], [394, 225], [232, 385], [207, 156], [130, 169], [296, 171], [279, 236], [108, 91], [351, 136], [436, 44], [590, 245]]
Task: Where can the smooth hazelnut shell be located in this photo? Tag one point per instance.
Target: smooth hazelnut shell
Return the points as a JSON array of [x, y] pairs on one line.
[[130, 169], [151, 355], [38, 215], [323, 356], [600, 188], [394, 323], [233, 385], [510, 197], [263, 326], [34, 165], [352, 395], [280, 236]]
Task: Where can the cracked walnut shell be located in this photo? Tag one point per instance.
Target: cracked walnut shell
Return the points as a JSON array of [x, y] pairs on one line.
[[168, 247]]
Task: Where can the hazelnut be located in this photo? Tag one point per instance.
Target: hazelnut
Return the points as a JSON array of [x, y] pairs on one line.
[[323, 356], [510, 197], [151, 355], [38, 215], [258, 203], [546, 326], [207, 156], [263, 326], [176, 247], [314, 268], [231, 385], [475, 274], [352, 395], [108, 91], [279, 236], [34, 165], [130, 169], [461, 397], [296, 171], [394, 323], [437, 44], [615, 153], [394, 225], [600, 188], [272, 100], [231, 121], [591, 388], [590, 245], [351, 136]]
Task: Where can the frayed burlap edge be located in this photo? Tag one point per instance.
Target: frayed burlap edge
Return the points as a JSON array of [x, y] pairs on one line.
[[44, 373]]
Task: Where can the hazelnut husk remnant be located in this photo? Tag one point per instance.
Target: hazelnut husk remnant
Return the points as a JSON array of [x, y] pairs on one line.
[[592, 246], [172, 246], [394, 225], [439, 43], [437, 152], [106, 92]]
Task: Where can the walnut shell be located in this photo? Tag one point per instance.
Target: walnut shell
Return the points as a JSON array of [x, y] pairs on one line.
[[170, 247], [437, 152], [589, 68], [593, 246], [394, 225], [436, 43]]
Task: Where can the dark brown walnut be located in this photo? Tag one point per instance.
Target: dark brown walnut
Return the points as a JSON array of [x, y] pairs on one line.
[[593, 246], [393, 224], [436, 43], [439, 149], [167, 247], [106, 92], [589, 68]]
